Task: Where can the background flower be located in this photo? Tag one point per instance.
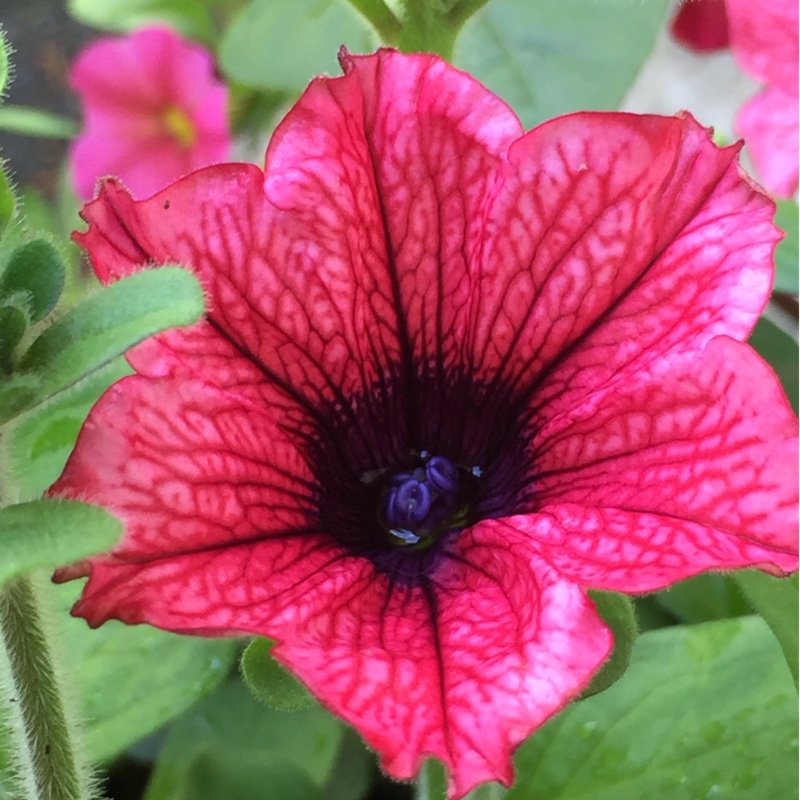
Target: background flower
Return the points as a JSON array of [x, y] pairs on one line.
[[701, 25], [764, 40], [153, 111], [556, 316]]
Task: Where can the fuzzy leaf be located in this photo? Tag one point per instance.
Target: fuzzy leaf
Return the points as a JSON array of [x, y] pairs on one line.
[[7, 202], [776, 600], [46, 533], [5, 64], [13, 324], [38, 443], [37, 269], [271, 682], [617, 612], [101, 328]]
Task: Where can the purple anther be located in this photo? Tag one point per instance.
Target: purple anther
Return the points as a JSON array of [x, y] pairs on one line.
[[442, 475], [408, 504]]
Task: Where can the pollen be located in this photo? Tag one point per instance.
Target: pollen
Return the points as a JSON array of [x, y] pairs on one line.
[[180, 126]]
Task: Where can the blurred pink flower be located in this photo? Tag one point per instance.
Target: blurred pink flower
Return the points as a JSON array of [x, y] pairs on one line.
[[153, 111], [764, 39]]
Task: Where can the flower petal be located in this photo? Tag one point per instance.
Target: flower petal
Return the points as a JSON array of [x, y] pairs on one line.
[[769, 124], [190, 468], [422, 145], [690, 469], [764, 40], [617, 239], [462, 668], [370, 182]]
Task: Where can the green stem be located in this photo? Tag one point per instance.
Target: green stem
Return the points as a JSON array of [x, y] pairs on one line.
[[426, 29], [45, 761], [382, 19], [462, 11]]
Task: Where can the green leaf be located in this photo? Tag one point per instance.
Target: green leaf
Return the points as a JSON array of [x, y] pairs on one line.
[[35, 268], [7, 202], [781, 351], [704, 711], [47, 533], [37, 444], [270, 681], [100, 329], [431, 784], [35, 122], [617, 612], [131, 680], [231, 746], [786, 254], [776, 600], [254, 51], [5, 62], [189, 17], [703, 599], [13, 324], [551, 58]]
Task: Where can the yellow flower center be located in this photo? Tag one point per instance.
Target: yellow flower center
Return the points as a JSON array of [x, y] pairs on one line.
[[180, 126]]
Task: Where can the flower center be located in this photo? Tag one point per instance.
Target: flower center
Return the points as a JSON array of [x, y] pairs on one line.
[[180, 126], [419, 505]]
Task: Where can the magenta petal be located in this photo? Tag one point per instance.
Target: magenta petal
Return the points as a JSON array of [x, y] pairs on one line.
[[388, 169], [691, 468], [184, 464], [616, 239], [463, 667]]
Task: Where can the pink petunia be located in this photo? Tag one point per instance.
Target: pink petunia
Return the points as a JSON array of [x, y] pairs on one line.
[[452, 375], [153, 111], [764, 39]]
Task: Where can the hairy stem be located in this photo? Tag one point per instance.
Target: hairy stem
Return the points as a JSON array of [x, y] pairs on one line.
[[44, 758]]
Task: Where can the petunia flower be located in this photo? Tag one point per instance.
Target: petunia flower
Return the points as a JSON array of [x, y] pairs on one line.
[[764, 39], [153, 111], [452, 376]]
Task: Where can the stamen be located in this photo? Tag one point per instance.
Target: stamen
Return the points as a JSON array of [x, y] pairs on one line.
[[409, 503], [442, 474], [406, 535], [422, 503]]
